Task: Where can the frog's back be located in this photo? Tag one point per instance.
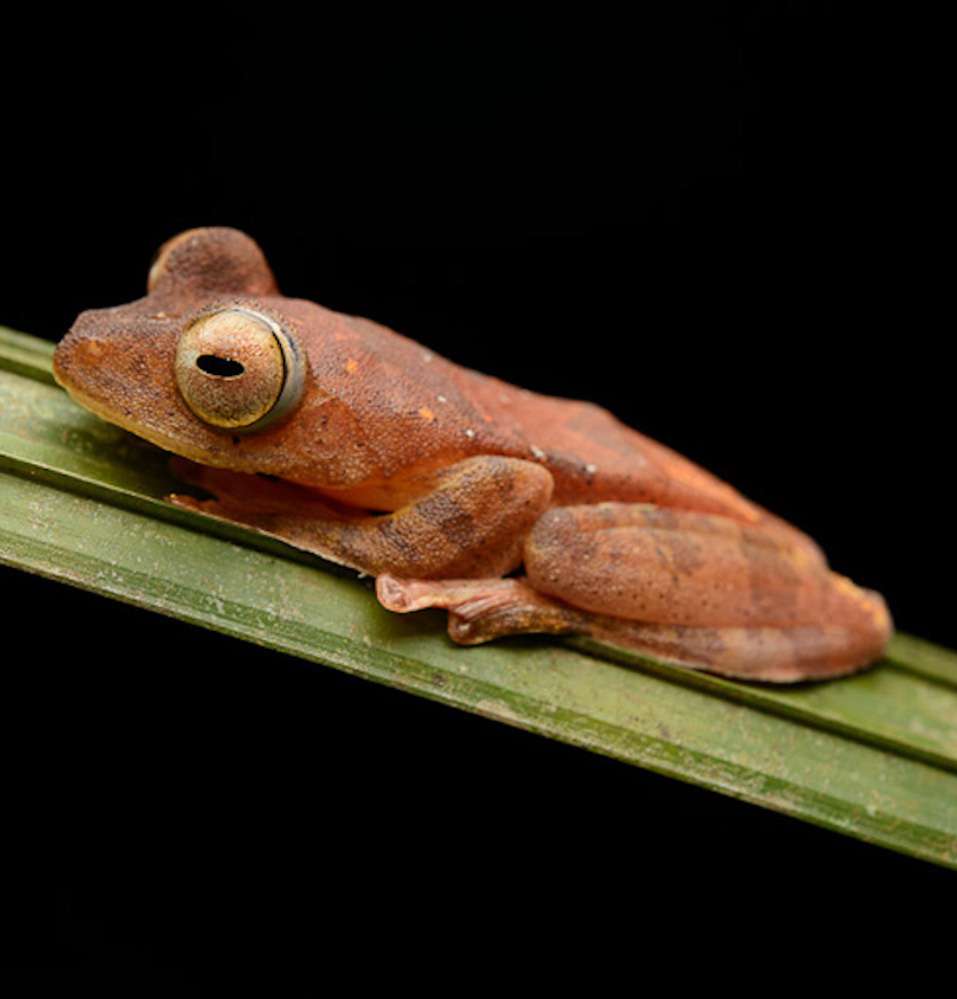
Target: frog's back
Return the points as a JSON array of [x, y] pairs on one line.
[[426, 405], [595, 457]]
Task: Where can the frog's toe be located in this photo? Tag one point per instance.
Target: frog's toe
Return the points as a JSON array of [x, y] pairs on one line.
[[480, 609]]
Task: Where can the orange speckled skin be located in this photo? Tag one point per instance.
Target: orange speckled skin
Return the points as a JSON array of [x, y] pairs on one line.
[[403, 464]]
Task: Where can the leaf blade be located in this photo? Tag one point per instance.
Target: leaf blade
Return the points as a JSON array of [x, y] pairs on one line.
[[82, 502]]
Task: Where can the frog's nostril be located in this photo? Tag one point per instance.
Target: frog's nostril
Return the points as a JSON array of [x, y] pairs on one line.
[[221, 367]]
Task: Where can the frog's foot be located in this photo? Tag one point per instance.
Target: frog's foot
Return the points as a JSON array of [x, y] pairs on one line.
[[482, 609]]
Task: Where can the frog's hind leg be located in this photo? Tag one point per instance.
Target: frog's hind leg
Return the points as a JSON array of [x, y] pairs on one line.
[[747, 601], [753, 600], [481, 610]]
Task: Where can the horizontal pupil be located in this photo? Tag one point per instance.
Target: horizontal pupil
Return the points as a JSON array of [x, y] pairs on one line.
[[220, 366]]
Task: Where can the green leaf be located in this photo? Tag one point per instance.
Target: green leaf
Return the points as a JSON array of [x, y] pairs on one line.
[[873, 756]]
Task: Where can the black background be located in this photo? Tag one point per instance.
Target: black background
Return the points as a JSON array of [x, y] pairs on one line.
[[724, 228]]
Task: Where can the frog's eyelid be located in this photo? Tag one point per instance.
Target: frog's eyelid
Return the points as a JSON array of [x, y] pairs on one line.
[[294, 377]]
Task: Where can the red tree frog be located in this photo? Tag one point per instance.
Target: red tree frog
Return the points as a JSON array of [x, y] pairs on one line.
[[516, 512]]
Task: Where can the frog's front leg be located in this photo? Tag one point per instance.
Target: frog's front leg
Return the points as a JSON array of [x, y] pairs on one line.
[[472, 523], [701, 590]]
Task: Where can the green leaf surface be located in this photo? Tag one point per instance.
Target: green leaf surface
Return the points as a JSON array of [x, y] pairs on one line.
[[873, 756]]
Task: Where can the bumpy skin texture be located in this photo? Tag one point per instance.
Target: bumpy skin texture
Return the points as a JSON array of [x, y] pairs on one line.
[[439, 479]]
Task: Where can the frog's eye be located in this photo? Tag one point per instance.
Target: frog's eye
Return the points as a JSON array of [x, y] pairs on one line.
[[238, 370]]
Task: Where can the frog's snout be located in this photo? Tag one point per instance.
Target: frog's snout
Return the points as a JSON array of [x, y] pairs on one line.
[[112, 357], [75, 351], [82, 352]]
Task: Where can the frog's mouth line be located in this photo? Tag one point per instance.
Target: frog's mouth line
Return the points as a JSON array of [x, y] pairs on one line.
[[193, 466], [113, 416]]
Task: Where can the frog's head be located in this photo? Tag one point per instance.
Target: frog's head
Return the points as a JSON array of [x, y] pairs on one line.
[[207, 360]]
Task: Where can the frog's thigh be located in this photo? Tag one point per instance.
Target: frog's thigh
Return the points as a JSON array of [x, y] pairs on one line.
[[696, 582], [666, 566]]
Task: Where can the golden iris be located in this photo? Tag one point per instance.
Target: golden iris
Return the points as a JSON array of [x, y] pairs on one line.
[[237, 369]]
